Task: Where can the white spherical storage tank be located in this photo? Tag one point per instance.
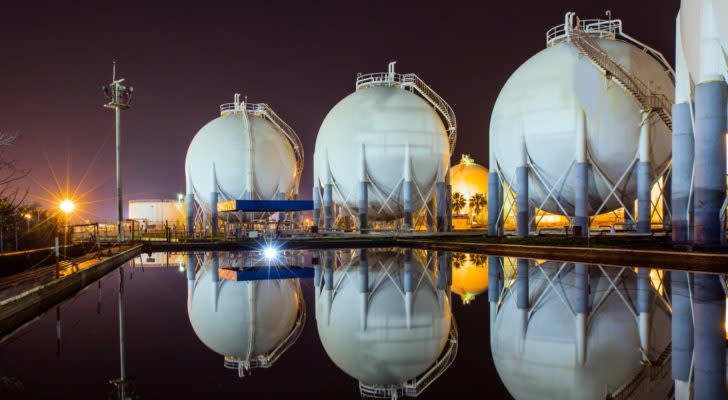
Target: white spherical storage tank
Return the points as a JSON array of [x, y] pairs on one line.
[[244, 321], [247, 153], [381, 150], [536, 350], [377, 327], [560, 108]]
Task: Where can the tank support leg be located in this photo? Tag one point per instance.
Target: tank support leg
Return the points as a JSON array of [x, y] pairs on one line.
[[682, 333], [408, 284], [710, 160], [522, 207], [328, 283], [363, 287], [644, 208], [683, 151], [494, 204], [522, 301], [441, 206], [363, 207], [666, 202], [316, 206], [494, 273], [644, 300], [213, 214], [581, 187], [407, 198], [709, 308], [430, 217], [581, 284], [190, 214], [328, 206]]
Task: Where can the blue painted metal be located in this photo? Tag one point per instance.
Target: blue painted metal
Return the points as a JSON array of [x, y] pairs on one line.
[[363, 206], [272, 205], [644, 290], [328, 270], [407, 198], [709, 319], [441, 206], [710, 160], [316, 206], [683, 153], [190, 213], [407, 280], [581, 196], [363, 271], [522, 202], [268, 273], [441, 270], [190, 265], [682, 326], [213, 213], [328, 206]]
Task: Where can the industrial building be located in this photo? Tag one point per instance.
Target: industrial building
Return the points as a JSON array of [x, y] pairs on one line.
[[382, 157], [158, 213]]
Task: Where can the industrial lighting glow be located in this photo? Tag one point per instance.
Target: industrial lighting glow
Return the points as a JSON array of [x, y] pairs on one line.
[[270, 252], [67, 206]]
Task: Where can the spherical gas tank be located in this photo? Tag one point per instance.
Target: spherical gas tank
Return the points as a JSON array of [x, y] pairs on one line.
[[381, 122], [219, 159], [378, 348], [227, 315], [540, 105], [542, 362], [469, 276]]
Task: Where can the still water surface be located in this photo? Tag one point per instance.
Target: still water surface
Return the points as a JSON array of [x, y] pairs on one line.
[[216, 324]]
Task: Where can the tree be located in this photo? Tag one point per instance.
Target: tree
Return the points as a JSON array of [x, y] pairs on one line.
[[458, 202], [478, 202]]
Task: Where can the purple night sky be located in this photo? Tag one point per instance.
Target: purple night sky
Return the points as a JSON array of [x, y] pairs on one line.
[[184, 61]]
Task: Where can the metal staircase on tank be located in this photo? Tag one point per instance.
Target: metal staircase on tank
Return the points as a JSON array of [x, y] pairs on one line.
[[582, 36], [413, 83]]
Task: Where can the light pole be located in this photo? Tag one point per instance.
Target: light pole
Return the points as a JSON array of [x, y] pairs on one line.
[[119, 98], [67, 206]]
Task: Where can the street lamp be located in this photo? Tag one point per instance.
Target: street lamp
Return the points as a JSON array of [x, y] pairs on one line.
[[27, 217], [67, 206], [119, 98]]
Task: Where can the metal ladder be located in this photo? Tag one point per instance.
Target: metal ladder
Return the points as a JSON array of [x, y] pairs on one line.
[[267, 112], [587, 46]]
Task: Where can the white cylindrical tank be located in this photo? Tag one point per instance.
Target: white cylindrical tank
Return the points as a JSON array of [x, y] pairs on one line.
[[245, 153], [542, 363], [241, 320], [542, 105], [384, 133], [381, 349]]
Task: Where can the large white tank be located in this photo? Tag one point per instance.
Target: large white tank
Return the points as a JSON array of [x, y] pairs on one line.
[[542, 363], [371, 134], [241, 320], [541, 104], [376, 344], [245, 153]]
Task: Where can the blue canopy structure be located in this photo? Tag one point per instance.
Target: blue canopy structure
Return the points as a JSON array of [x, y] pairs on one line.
[[265, 205]]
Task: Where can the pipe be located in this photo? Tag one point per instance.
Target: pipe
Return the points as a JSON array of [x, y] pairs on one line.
[[643, 178], [682, 331], [408, 285], [644, 301], [522, 207], [363, 191], [316, 191], [407, 189], [494, 203], [709, 351], [581, 177], [581, 305]]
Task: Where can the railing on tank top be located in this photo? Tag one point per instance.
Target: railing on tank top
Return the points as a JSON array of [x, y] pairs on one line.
[[264, 110], [582, 36], [413, 82]]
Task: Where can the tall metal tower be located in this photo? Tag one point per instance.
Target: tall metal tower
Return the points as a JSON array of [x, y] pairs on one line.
[[119, 98]]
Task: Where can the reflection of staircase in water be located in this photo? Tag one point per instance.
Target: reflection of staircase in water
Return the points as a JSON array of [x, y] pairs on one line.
[[587, 46], [644, 378]]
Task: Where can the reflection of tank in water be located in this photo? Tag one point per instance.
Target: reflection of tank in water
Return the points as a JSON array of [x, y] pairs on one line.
[[581, 332], [250, 323], [469, 275], [403, 337]]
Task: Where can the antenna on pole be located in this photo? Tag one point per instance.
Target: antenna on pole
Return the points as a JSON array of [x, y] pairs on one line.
[[113, 71]]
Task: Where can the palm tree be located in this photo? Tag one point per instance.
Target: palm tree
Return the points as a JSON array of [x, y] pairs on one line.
[[478, 202], [458, 202]]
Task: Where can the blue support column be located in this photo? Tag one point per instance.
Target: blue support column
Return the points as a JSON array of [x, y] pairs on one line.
[[441, 206], [363, 287], [213, 214], [710, 161], [643, 198], [190, 214], [363, 207], [522, 301], [407, 199], [644, 302], [522, 202], [316, 206], [581, 196], [328, 206], [666, 203], [494, 203], [709, 308], [581, 307], [430, 216], [494, 277], [683, 151]]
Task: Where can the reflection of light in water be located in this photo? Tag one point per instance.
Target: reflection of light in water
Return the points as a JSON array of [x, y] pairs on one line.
[[656, 277]]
